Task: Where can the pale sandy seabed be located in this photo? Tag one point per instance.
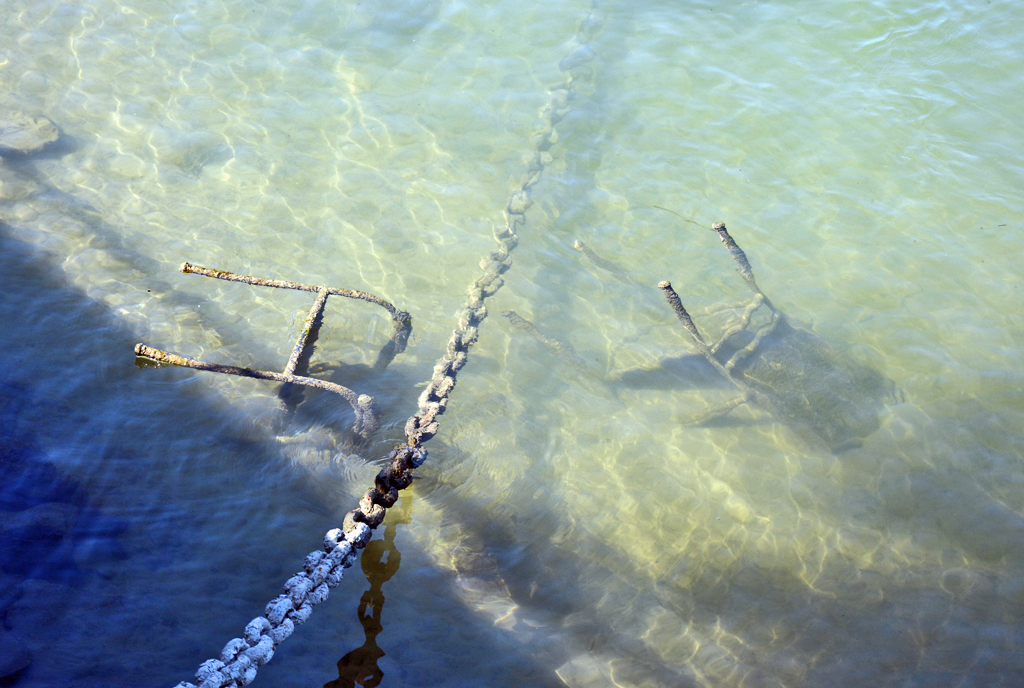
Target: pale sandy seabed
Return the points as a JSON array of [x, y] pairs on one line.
[[572, 525]]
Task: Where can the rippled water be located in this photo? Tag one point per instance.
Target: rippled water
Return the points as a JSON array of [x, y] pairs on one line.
[[573, 525]]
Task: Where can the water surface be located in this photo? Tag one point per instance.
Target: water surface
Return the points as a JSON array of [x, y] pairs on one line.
[[569, 528]]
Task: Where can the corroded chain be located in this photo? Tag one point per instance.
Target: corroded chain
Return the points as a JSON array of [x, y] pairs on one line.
[[323, 570], [241, 657]]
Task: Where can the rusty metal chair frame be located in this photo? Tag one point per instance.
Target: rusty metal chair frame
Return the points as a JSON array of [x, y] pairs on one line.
[[362, 404]]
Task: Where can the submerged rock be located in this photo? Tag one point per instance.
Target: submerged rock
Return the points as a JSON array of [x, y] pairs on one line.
[[23, 135]]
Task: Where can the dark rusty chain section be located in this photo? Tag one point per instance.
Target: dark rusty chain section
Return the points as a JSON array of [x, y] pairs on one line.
[[242, 657]]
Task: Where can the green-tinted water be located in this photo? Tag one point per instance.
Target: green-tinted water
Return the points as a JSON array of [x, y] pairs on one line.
[[567, 528]]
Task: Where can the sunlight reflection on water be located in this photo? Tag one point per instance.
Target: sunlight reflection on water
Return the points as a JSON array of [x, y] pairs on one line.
[[568, 527]]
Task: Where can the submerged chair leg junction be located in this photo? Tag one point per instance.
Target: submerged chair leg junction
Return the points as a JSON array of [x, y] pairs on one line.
[[366, 414]]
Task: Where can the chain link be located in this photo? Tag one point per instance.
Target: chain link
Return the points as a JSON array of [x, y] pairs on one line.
[[323, 570]]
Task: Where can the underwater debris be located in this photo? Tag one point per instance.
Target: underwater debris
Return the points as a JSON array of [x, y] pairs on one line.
[[241, 657], [559, 350], [791, 373], [298, 362], [778, 367]]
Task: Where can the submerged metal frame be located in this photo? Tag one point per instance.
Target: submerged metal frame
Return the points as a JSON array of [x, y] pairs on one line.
[[362, 404]]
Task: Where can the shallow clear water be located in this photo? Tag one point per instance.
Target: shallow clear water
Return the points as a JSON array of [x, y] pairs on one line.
[[569, 528]]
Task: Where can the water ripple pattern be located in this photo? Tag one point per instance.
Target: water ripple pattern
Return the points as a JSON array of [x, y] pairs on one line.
[[585, 518], [241, 657]]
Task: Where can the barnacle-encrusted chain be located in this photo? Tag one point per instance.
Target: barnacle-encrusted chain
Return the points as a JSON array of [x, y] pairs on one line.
[[241, 657]]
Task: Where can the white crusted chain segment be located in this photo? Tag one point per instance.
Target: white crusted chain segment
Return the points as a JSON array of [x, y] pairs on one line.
[[241, 657]]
